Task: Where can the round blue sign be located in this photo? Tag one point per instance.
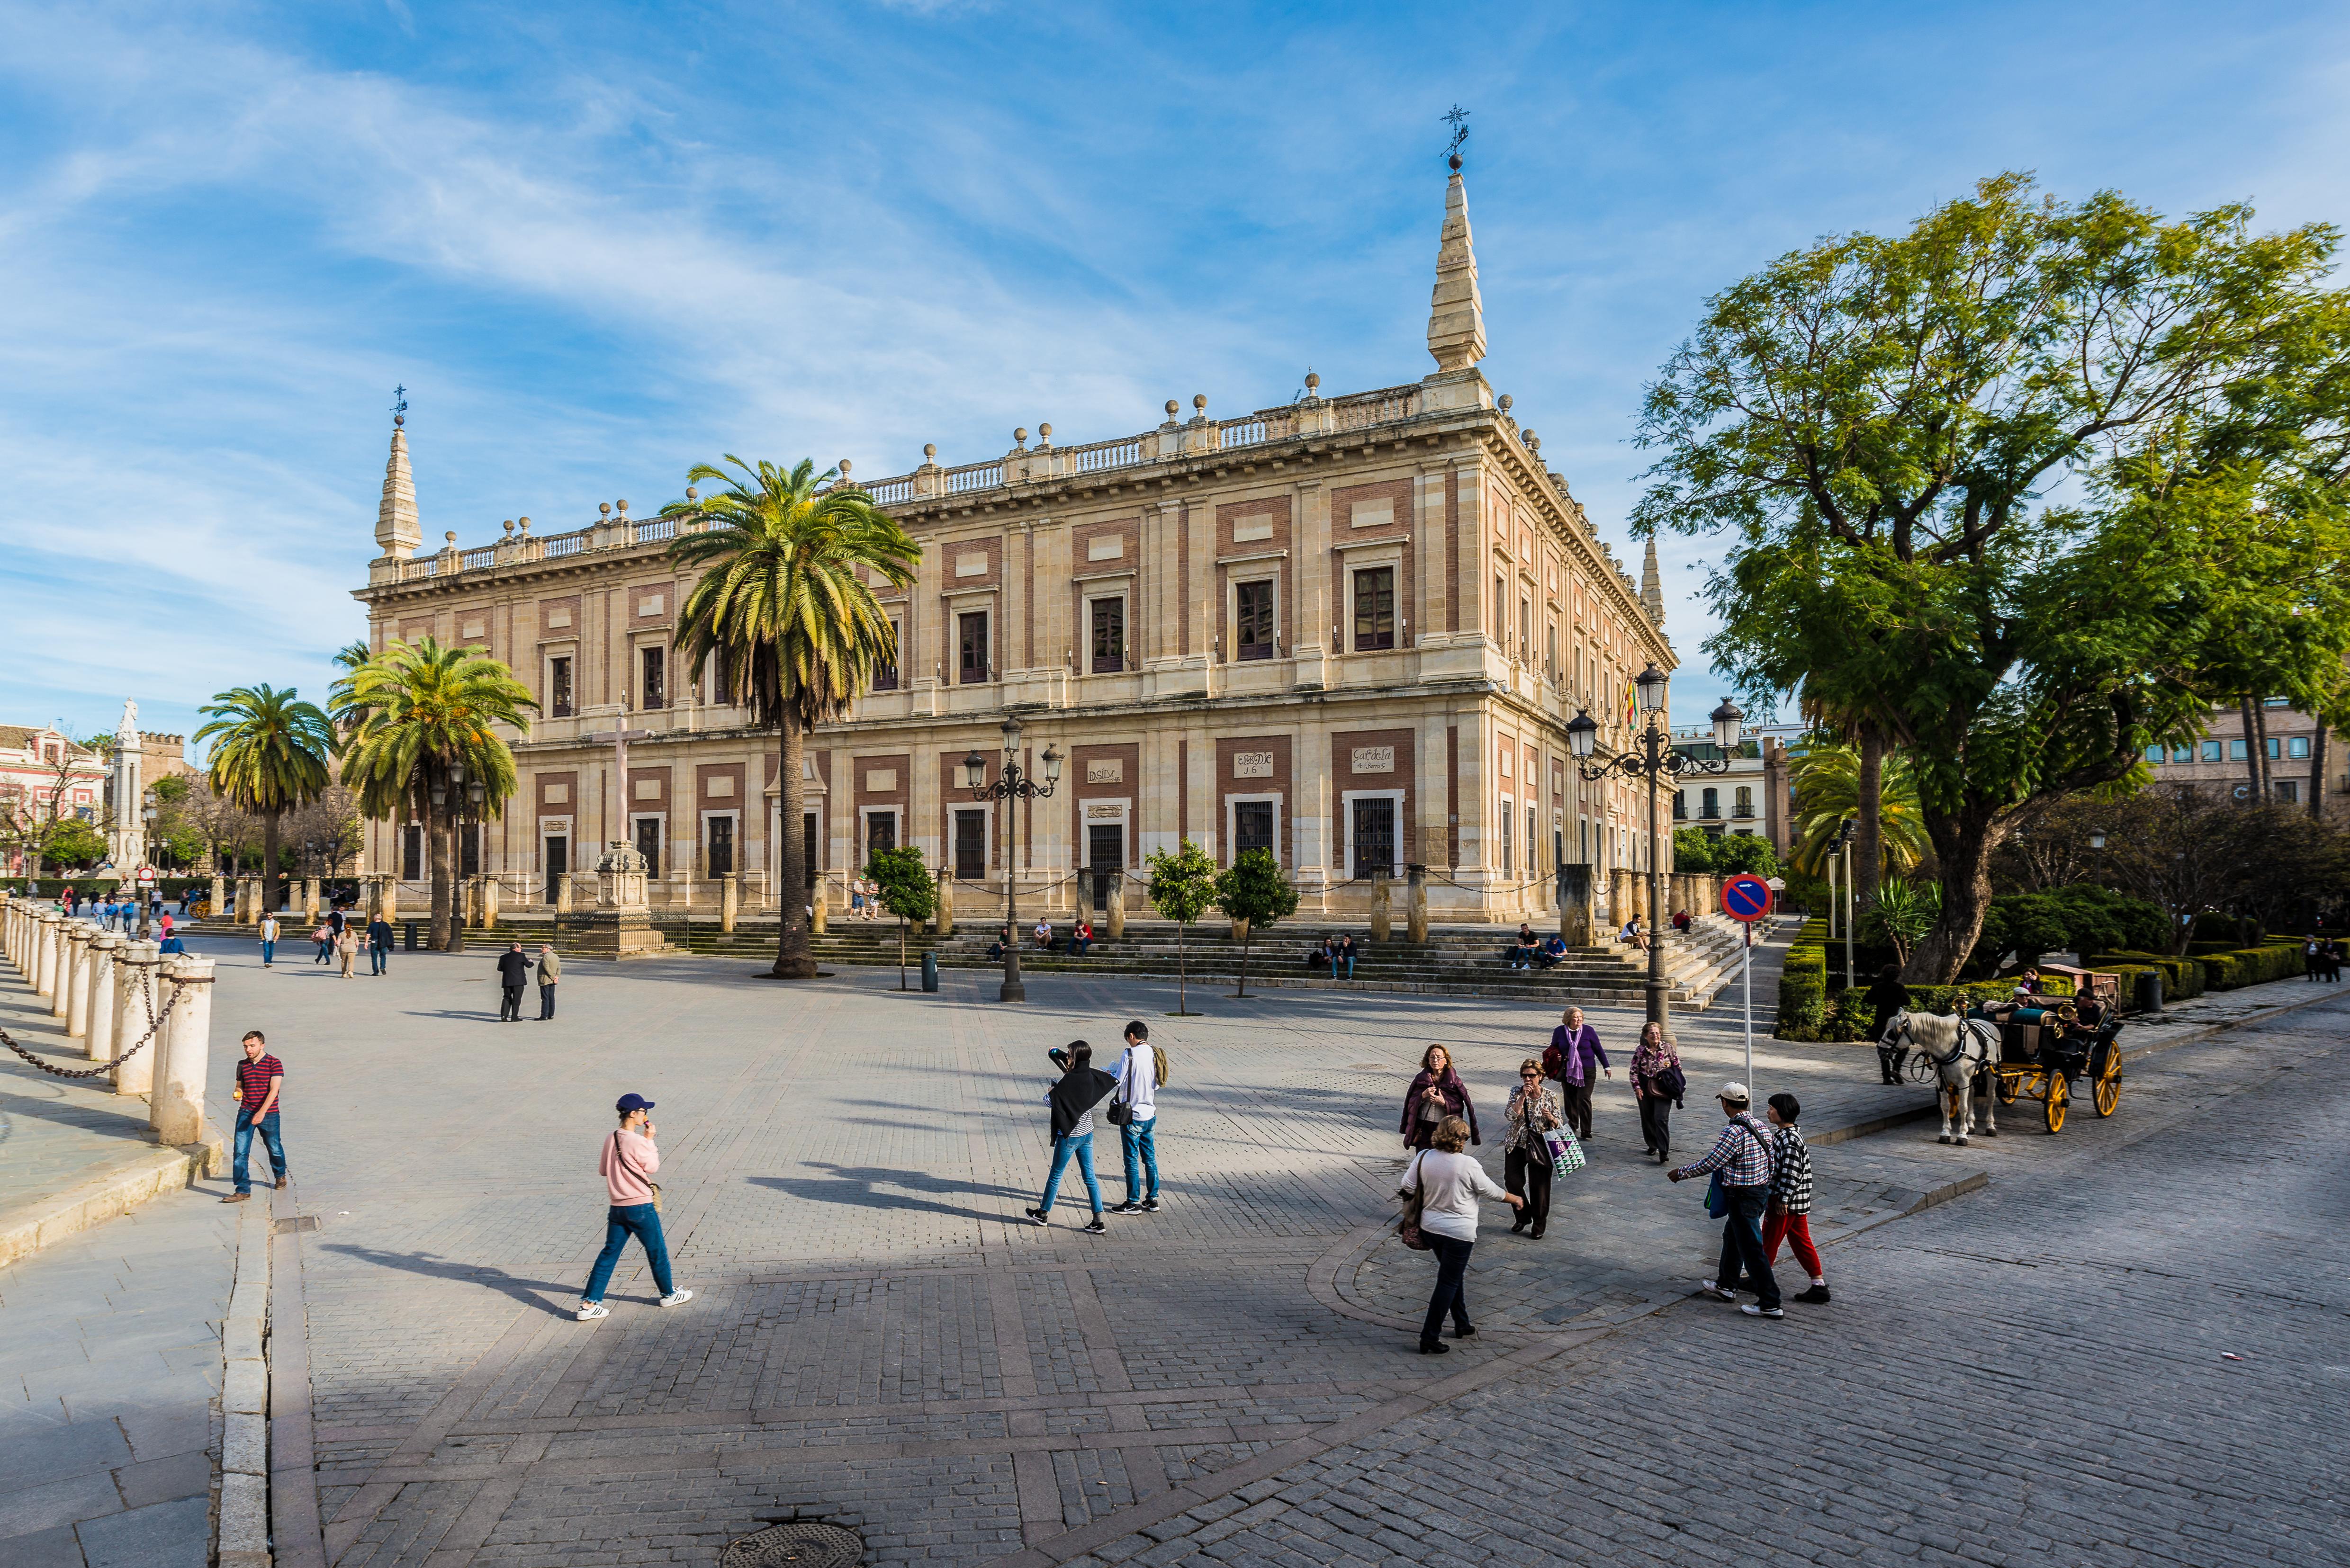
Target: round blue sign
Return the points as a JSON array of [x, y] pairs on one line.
[[1746, 897]]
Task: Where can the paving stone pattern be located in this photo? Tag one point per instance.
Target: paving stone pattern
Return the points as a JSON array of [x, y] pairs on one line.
[[57, 1132], [879, 1338]]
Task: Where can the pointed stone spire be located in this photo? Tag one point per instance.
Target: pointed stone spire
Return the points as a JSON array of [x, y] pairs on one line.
[[1456, 316], [1652, 587], [397, 528]]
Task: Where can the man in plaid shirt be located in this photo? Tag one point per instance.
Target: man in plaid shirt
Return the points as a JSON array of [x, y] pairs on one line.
[[1740, 1157]]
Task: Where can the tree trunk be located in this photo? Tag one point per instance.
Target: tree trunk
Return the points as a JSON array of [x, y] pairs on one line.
[[270, 899], [902, 952], [1247, 936], [792, 959], [1182, 977], [2318, 772], [2268, 774], [1867, 847], [1963, 845], [439, 836], [2251, 748]]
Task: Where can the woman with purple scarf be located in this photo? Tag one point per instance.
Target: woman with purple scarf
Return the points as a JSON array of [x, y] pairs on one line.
[[1575, 1050], [1437, 1093], [1658, 1082]]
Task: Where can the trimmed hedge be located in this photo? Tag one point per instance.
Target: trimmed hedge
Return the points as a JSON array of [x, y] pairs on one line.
[[1802, 992], [2126, 1002], [2253, 966], [2181, 977]]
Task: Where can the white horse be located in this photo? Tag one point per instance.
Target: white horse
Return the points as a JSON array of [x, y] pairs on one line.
[[1960, 1052]]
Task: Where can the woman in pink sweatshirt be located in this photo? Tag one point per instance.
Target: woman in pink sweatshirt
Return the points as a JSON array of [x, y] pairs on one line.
[[629, 1163]]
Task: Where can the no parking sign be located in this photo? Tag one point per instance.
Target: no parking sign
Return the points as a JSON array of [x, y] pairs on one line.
[[1746, 898]]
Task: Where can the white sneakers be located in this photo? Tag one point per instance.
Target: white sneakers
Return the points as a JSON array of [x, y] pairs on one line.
[[1707, 1288], [590, 1311]]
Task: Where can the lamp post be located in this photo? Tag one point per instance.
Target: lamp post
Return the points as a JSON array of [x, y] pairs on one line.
[[147, 811], [1014, 785], [1651, 756]]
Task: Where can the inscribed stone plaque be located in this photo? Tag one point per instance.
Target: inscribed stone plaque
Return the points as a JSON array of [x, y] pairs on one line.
[[723, 785], [649, 605], [1505, 765], [558, 793], [1249, 530], [1109, 549], [557, 618], [881, 781], [1105, 770], [1374, 513], [473, 629], [648, 789], [971, 565], [1251, 764], [1104, 812], [1375, 759]]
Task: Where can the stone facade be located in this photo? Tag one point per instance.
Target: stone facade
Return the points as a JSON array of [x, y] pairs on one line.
[[2219, 760], [1349, 629]]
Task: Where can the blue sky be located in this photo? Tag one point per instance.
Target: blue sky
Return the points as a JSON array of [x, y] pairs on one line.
[[599, 242]]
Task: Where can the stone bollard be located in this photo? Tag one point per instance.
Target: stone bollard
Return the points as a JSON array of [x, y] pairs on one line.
[[98, 995], [61, 968], [563, 894], [1382, 907], [390, 894], [311, 902], [1116, 923], [219, 896], [134, 979], [489, 903], [176, 1107], [1415, 908], [729, 900], [946, 903], [75, 998], [45, 954], [817, 900]]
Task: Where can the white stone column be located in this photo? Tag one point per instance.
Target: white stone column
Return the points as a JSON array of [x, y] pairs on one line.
[[176, 1107], [219, 896], [45, 953], [98, 994], [73, 996], [134, 977]]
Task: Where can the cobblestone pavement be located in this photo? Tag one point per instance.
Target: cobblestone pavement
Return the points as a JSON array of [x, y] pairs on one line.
[[881, 1341], [55, 1133], [109, 1363]]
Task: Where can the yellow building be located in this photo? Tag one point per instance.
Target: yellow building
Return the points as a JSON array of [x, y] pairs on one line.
[[1350, 630]]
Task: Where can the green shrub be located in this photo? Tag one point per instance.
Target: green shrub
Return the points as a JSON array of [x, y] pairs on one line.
[[2256, 966], [1803, 992], [2181, 977]]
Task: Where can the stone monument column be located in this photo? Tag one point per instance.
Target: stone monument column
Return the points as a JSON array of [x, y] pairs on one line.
[[220, 896], [176, 1107], [100, 994], [311, 902], [135, 985], [945, 921], [1117, 906], [1415, 910], [729, 900], [1382, 906]]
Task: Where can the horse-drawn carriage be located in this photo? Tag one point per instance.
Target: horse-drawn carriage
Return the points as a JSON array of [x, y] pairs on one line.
[[2037, 1048]]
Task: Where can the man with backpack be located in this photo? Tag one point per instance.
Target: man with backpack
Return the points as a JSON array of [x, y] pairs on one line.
[[1134, 1108], [1741, 1162]]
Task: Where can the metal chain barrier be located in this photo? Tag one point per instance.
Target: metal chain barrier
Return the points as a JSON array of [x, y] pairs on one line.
[[155, 1021]]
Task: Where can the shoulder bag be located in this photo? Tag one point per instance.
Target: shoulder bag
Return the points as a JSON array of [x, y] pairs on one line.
[[1415, 1202], [618, 1159]]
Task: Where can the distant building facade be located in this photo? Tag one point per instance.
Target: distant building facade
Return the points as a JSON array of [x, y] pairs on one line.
[[1349, 630], [2304, 762]]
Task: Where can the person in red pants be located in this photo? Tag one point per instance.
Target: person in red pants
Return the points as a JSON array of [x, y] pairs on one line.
[[1790, 1215]]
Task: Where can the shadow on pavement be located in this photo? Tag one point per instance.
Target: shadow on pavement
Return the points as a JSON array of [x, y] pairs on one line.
[[862, 1186], [527, 1292]]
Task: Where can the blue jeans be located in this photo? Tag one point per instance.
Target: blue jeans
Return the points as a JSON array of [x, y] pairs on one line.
[[1135, 1138], [237, 1171], [641, 1221], [1062, 1148], [268, 952], [376, 955]]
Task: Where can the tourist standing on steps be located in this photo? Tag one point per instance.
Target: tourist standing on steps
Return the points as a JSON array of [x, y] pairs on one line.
[[259, 1094], [1072, 1099], [1526, 1169], [1138, 1135], [1742, 1158], [1658, 1083], [1790, 1218], [1573, 1053], [378, 943], [268, 940], [1437, 1093], [550, 973], [1449, 1183], [513, 973], [627, 1164]]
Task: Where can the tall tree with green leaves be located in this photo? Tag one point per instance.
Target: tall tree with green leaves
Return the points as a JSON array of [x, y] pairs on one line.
[[1828, 784], [784, 606], [1182, 888], [269, 756], [1252, 889], [906, 892], [2032, 484], [425, 733]]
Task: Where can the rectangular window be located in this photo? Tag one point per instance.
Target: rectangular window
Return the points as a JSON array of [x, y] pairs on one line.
[[1374, 837], [469, 850], [1375, 609], [718, 858], [2288, 790], [1533, 863], [2237, 751], [2297, 747], [1108, 636], [558, 864], [1502, 610], [1252, 608], [2154, 753], [654, 692], [1552, 663], [1252, 825], [1525, 632], [558, 688], [1745, 806], [412, 853], [971, 639], [2210, 751], [1105, 848], [1681, 807], [885, 674], [648, 842], [2274, 747], [722, 678], [1506, 816], [881, 832], [2182, 754], [2275, 701], [970, 845]]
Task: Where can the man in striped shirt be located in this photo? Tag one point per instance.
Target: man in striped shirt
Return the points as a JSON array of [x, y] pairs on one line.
[[1742, 1157], [260, 1083]]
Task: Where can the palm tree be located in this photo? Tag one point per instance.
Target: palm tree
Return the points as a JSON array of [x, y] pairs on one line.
[[797, 633], [1827, 786], [348, 659], [271, 758], [422, 739]]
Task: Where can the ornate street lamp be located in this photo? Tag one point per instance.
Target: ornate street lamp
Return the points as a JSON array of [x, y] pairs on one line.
[[146, 813], [1651, 756], [1014, 785]]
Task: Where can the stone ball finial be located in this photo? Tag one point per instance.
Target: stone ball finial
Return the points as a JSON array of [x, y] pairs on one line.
[[509, 525], [623, 506], [398, 420], [1455, 161], [605, 507], [1172, 406], [1044, 432], [692, 494], [929, 452], [1200, 402], [1312, 381], [843, 465], [451, 535], [524, 523], [1503, 402], [1020, 436]]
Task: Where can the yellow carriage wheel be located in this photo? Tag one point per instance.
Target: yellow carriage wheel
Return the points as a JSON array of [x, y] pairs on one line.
[[2057, 1097], [2008, 1082], [2108, 1091]]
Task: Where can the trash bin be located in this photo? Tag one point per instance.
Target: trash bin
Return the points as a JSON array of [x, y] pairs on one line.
[[930, 971], [2150, 992], [411, 935]]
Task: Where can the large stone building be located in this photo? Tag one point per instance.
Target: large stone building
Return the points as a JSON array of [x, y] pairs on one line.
[[1350, 630], [2299, 758]]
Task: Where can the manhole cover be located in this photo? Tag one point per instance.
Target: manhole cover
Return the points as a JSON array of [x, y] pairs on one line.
[[799, 1544]]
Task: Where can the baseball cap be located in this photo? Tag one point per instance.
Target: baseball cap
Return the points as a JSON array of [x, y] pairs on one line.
[[633, 1102], [1734, 1092]]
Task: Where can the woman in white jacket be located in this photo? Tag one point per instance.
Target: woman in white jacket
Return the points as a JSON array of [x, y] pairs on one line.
[[1450, 1182]]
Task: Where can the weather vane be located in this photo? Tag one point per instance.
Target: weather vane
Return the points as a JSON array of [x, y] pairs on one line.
[[400, 405], [1459, 120]]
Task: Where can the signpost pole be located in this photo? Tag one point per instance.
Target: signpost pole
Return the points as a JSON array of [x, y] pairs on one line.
[[1746, 976], [1747, 899]]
